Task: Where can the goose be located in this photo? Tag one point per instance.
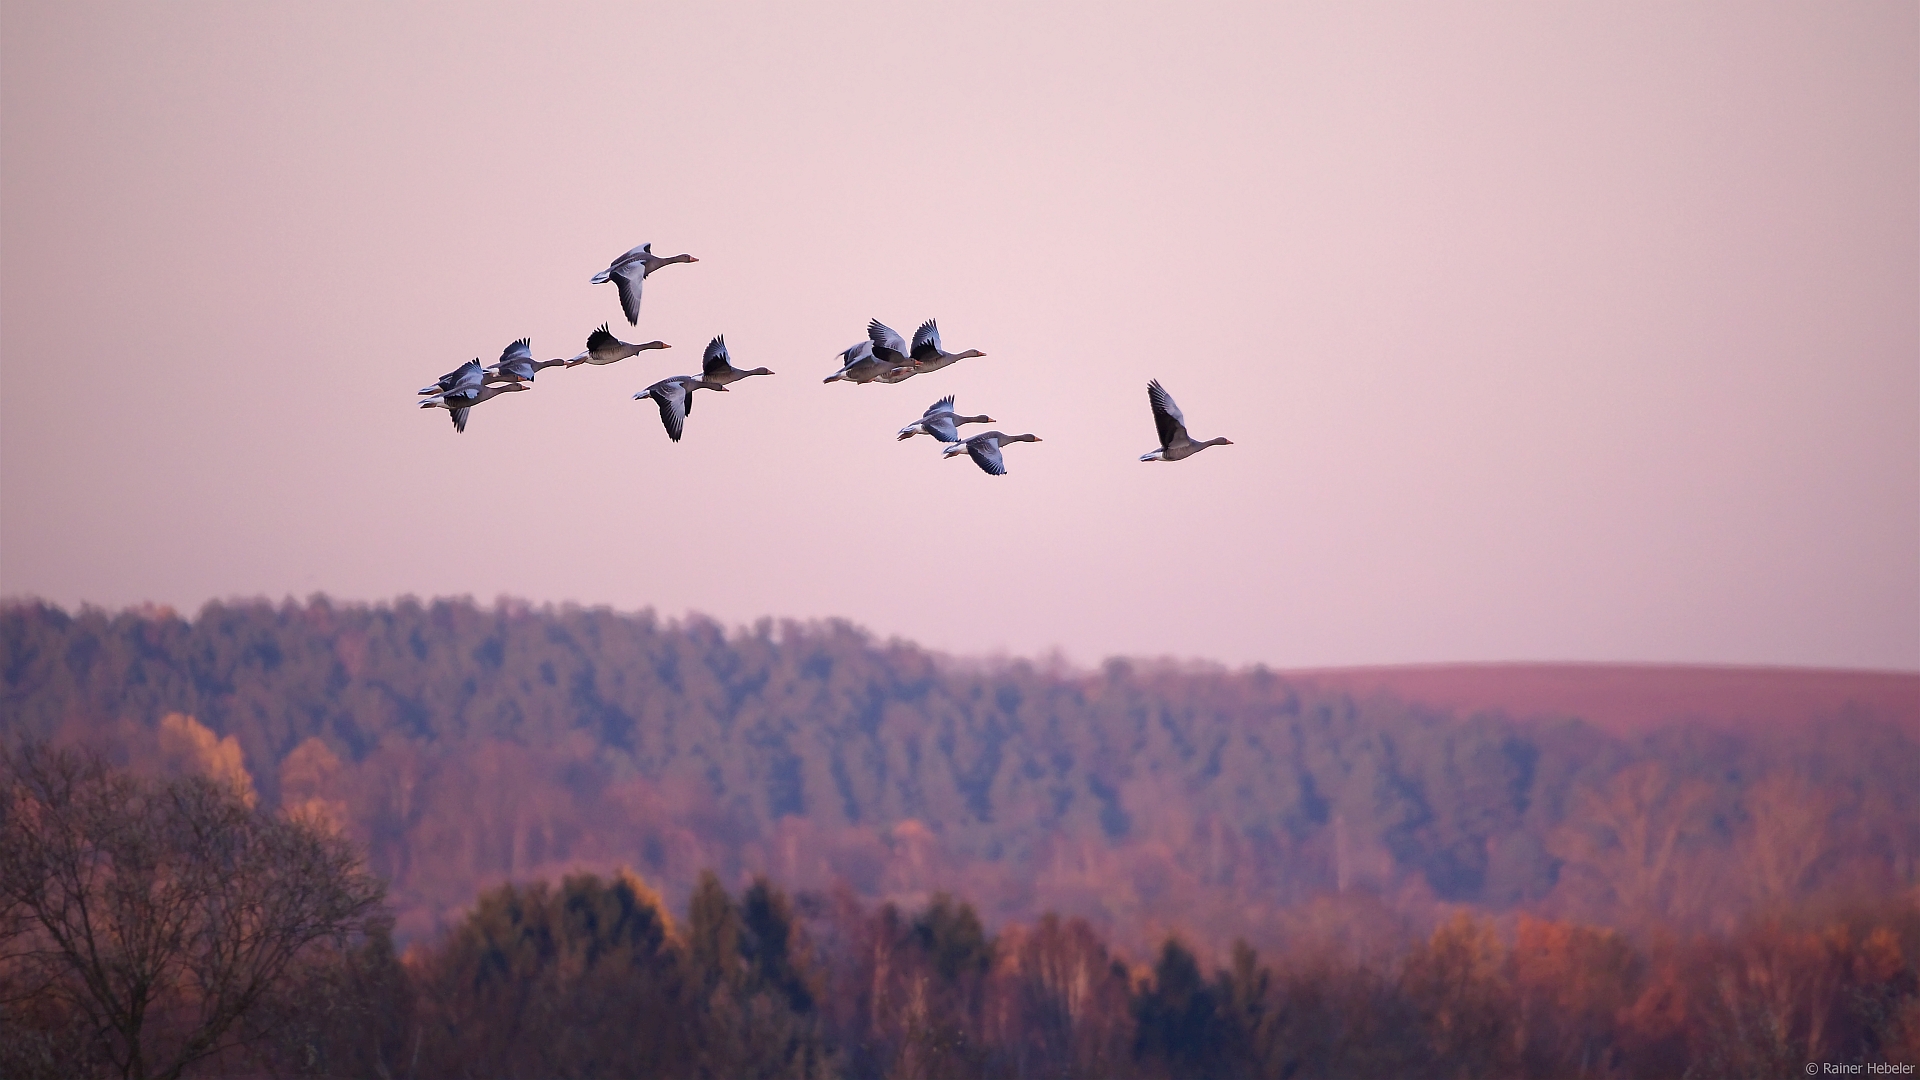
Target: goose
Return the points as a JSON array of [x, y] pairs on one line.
[[890, 348], [462, 398], [927, 353], [939, 421], [604, 348], [984, 449], [517, 363], [467, 374], [674, 395], [858, 364], [629, 270], [718, 366], [1175, 443]]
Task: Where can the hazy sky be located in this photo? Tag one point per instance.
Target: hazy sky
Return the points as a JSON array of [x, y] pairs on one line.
[[1542, 331]]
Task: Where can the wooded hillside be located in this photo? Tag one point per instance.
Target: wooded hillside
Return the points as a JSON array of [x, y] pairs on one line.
[[466, 746]]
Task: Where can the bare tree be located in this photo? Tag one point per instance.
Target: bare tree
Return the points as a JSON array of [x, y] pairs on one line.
[[154, 917]]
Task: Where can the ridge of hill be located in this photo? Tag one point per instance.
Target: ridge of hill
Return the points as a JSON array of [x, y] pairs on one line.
[[1629, 699], [464, 746]]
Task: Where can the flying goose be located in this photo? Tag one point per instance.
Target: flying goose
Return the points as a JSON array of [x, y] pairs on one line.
[[858, 364], [1175, 443], [517, 363], [939, 421], [604, 348], [927, 353], [467, 374], [629, 270], [718, 366], [984, 449], [674, 395], [461, 398]]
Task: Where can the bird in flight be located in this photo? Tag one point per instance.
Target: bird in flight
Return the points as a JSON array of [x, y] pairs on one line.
[[1175, 443], [629, 270]]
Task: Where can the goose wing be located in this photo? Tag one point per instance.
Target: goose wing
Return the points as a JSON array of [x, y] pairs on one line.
[[942, 427], [887, 343], [459, 416], [1166, 415], [602, 339], [516, 360], [716, 361], [632, 254], [944, 405], [467, 374], [627, 277], [671, 395], [985, 452], [926, 342]]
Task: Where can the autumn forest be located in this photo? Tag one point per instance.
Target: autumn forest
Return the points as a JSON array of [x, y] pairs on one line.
[[608, 844]]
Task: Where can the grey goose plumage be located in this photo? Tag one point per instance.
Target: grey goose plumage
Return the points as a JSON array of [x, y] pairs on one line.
[[941, 422], [604, 348], [674, 395], [984, 449], [629, 272], [717, 366], [1175, 443], [517, 364]]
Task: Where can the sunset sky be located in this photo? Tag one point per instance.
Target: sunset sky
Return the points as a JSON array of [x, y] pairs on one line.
[[1542, 332]]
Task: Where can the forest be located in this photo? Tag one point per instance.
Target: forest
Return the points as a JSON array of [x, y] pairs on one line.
[[897, 863]]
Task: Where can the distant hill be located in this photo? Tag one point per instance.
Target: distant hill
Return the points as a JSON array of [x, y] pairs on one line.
[[466, 745], [1630, 699]]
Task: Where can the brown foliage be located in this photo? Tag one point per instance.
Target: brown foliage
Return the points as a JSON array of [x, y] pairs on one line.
[[151, 923]]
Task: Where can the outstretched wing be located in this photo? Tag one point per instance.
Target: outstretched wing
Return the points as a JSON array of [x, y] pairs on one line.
[[1166, 415], [467, 374], [944, 405], [459, 417], [601, 339], [941, 427], [986, 454], [671, 396], [926, 342], [716, 360], [516, 361], [627, 279], [887, 344]]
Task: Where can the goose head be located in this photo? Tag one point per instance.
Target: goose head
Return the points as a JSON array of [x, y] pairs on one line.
[[1005, 439], [968, 353]]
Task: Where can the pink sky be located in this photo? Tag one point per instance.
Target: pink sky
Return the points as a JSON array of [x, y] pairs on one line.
[[1558, 332]]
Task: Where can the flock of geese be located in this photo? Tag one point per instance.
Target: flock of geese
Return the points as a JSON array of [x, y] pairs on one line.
[[884, 357]]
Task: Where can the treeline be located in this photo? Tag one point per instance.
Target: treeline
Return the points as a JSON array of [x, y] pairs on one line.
[[463, 746], [594, 978], [165, 924]]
